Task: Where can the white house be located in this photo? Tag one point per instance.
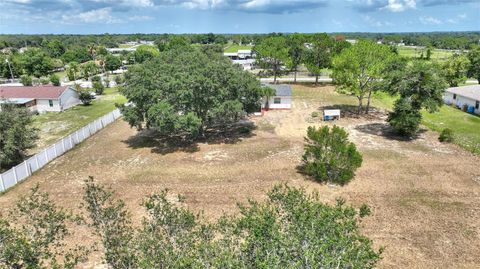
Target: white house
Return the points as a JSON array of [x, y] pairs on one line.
[[41, 98], [245, 58], [466, 98], [282, 99]]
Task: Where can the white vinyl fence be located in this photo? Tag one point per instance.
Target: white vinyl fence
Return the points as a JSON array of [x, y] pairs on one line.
[[22, 171]]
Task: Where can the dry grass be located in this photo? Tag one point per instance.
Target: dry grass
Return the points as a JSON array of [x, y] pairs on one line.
[[425, 195]]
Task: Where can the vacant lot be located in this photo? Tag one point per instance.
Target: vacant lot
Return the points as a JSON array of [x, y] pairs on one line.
[[425, 196], [54, 126], [235, 48]]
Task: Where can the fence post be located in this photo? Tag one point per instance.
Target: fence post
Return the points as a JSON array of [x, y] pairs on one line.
[[27, 166], [78, 139], [55, 150], [46, 154], [36, 161], [15, 174], [63, 144], [1, 181]]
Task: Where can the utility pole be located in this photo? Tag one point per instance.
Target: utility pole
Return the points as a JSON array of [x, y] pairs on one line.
[[9, 67]]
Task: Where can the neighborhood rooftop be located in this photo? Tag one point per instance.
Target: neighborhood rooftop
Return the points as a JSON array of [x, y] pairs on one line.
[[35, 92], [281, 89], [471, 91]]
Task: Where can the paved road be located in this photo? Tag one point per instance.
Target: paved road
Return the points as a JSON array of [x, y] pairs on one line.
[[324, 79]]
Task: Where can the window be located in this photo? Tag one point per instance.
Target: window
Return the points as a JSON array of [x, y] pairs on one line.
[[454, 96], [277, 100], [477, 104], [50, 103]]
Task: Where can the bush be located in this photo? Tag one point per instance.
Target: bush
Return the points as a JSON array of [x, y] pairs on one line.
[[98, 87], [17, 134], [291, 229], [315, 114], [85, 97], [446, 135], [405, 120], [96, 79], [44, 81], [55, 80], [26, 80], [329, 156]]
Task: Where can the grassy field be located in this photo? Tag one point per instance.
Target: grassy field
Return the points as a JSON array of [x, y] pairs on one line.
[[415, 53], [235, 48], [53, 126], [466, 127], [423, 193]]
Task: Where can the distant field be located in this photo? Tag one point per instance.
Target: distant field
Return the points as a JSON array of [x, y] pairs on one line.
[[54, 125], [235, 48], [413, 53]]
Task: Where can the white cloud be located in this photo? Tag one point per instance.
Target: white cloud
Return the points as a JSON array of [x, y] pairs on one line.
[[374, 22], [97, 15], [430, 20], [400, 5]]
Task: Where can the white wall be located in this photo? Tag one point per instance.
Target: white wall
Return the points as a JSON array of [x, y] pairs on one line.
[[285, 102], [459, 101], [43, 106], [69, 98]]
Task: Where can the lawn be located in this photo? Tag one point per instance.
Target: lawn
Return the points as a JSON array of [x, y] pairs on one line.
[[465, 126], [416, 52], [55, 125], [235, 48]]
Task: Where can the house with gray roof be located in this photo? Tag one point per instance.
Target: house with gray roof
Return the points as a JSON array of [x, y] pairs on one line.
[[282, 99], [466, 98]]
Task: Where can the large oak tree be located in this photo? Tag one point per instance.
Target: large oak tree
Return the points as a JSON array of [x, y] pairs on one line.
[[186, 91]]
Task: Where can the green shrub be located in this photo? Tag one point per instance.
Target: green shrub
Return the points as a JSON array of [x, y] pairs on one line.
[[315, 114], [26, 80], [85, 97], [329, 156], [98, 87], [405, 120], [44, 81], [446, 135], [55, 80], [290, 229]]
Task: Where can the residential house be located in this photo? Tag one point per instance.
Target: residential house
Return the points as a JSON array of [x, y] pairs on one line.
[[466, 98], [41, 98]]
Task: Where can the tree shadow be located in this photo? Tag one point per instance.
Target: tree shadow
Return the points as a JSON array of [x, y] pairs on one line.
[[386, 131], [351, 111], [162, 144]]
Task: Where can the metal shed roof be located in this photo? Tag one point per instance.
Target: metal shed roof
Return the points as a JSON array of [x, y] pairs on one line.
[[471, 91], [281, 89]]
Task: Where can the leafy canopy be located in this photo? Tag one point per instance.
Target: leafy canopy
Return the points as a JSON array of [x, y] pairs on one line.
[[329, 156], [291, 229], [272, 53], [455, 69], [17, 134], [357, 69], [184, 92]]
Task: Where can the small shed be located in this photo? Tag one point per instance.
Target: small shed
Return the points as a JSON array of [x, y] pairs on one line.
[[282, 99], [331, 114]]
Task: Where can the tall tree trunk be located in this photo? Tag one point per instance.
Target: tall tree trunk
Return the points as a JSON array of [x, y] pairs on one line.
[[295, 76], [368, 102], [360, 105], [316, 80]]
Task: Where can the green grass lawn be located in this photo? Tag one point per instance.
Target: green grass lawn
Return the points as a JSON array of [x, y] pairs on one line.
[[415, 53], [466, 127], [235, 48], [55, 125]]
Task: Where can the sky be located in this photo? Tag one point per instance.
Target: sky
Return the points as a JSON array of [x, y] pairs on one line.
[[236, 16]]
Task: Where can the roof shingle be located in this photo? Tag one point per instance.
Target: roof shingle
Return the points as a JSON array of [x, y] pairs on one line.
[[34, 92]]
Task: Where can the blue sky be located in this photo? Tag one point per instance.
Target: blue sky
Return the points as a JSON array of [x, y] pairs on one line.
[[236, 16]]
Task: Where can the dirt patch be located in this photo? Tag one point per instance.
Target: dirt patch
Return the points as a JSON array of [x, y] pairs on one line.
[[425, 195]]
